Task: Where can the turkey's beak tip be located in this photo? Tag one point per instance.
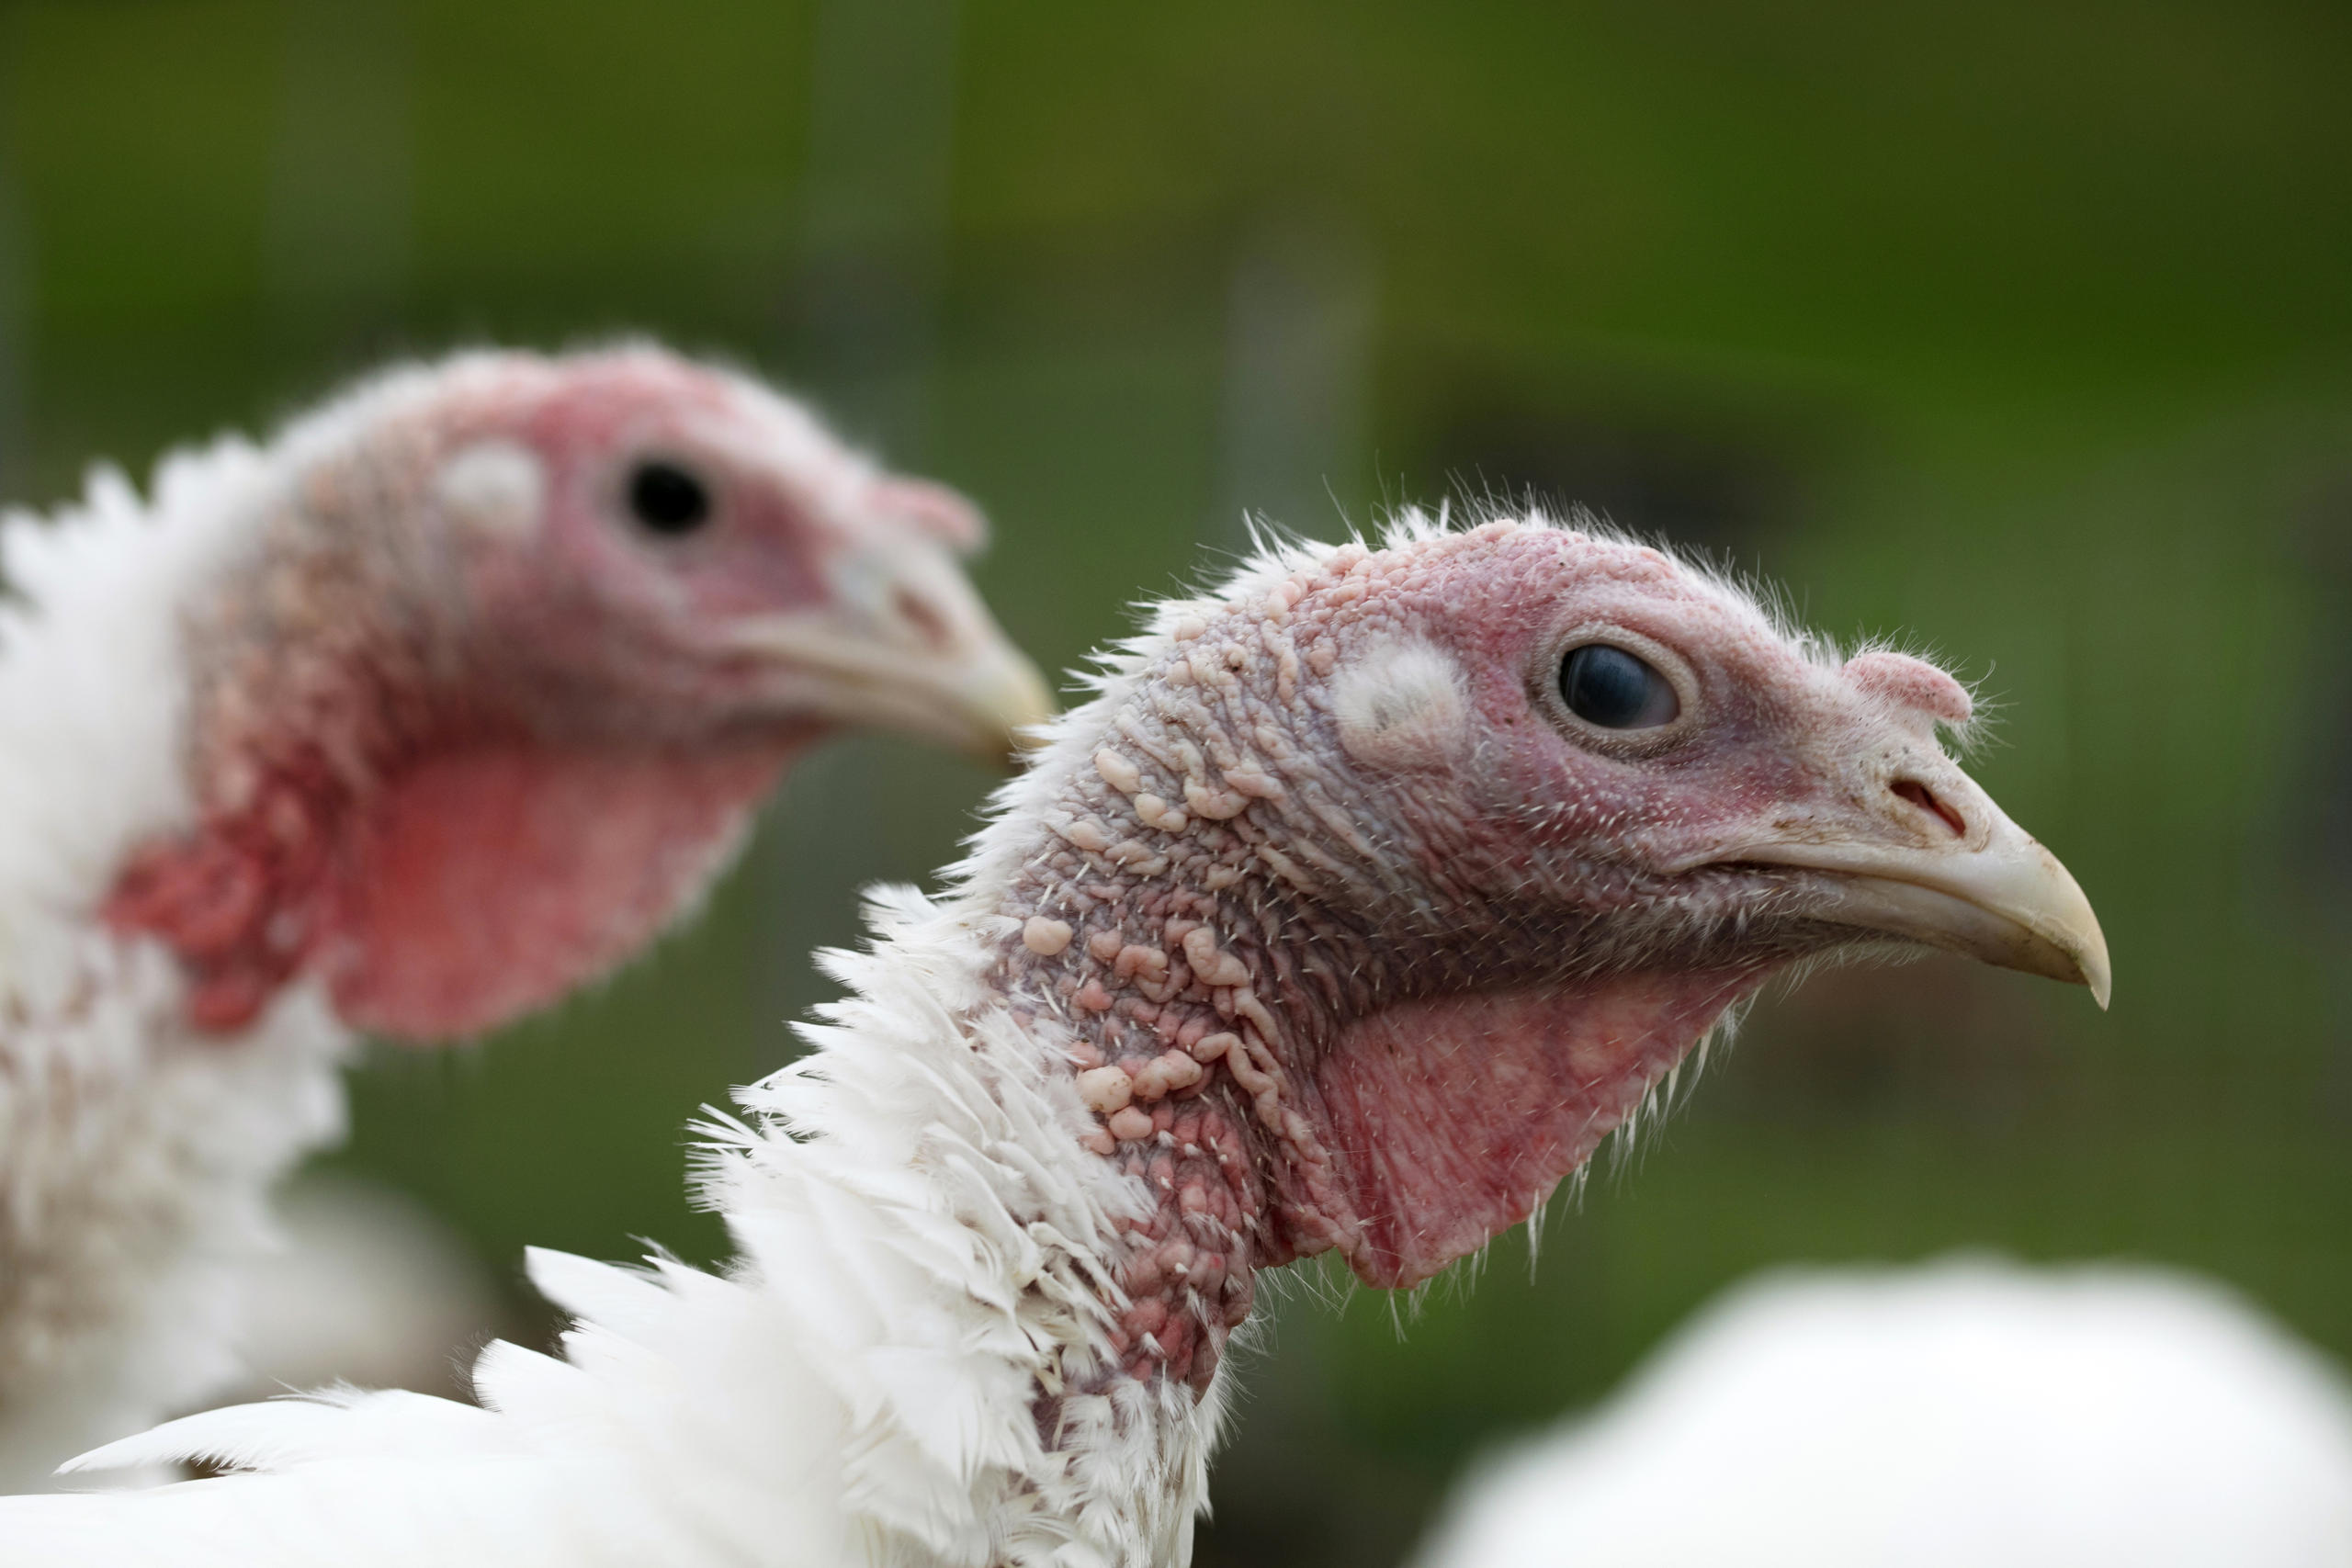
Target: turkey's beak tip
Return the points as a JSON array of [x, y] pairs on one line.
[[2040, 919], [960, 683], [2000, 896]]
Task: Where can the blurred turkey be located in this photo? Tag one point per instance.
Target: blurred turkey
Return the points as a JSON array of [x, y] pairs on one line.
[[1360, 903], [439, 705], [1968, 1413]]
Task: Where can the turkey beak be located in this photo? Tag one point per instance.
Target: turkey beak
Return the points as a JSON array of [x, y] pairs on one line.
[[906, 646], [1932, 860]]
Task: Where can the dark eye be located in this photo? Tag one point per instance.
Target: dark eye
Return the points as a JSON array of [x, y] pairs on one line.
[[1610, 687], [667, 499]]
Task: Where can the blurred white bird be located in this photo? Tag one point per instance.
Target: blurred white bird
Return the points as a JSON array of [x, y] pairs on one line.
[[1362, 902], [1961, 1415], [371, 1288], [435, 708]]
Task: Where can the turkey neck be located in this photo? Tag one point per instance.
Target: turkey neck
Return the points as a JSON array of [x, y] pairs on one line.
[[1172, 1009], [1298, 1028]]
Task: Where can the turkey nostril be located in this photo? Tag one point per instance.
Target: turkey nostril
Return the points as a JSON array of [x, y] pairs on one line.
[[928, 622], [1923, 797]]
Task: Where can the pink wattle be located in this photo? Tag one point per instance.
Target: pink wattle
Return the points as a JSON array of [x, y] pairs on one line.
[[474, 884], [1459, 1114], [487, 882]]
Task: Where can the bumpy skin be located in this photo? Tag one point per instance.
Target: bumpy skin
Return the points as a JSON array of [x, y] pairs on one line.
[[1358, 949], [404, 724], [1324, 925]]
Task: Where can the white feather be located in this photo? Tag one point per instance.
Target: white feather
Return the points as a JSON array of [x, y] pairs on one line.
[[132, 1158], [370, 1288]]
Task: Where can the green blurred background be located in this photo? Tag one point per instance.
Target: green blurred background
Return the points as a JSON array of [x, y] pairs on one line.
[[2024, 328]]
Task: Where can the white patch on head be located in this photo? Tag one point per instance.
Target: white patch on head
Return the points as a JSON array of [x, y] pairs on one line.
[[1402, 706], [493, 487]]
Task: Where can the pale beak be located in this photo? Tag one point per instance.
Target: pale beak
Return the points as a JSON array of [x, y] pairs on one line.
[[1991, 892], [909, 648]]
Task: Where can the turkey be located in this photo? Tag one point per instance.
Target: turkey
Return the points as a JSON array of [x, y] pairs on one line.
[[1967, 1412], [416, 718], [1361, 900]]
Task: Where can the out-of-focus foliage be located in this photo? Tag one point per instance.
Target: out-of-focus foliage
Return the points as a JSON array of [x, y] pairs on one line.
[[2023, 328]]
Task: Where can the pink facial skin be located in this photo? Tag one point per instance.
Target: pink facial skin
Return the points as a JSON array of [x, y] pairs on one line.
[[467, 730], [1364, 941]]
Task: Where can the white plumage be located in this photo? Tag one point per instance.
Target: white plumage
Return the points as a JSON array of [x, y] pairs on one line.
[[915, 1217], [1967, 1412], [237, 678], [133, 1177], [1192, 1008], [371, 1288]]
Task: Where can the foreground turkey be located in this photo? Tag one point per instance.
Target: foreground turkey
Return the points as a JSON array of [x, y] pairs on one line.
[[1968, 1414], [1358, 907], [439, 705]]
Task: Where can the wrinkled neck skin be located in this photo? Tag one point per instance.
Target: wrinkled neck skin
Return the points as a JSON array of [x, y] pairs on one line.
[[442, 865], [1282, 1046], [1286, 1079]]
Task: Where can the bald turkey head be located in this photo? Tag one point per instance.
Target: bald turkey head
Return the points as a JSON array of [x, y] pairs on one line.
[[515, 648], [1394, 880]]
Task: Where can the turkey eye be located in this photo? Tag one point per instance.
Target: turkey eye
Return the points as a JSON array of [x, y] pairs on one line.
[[668, 500], [1610, 687]]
